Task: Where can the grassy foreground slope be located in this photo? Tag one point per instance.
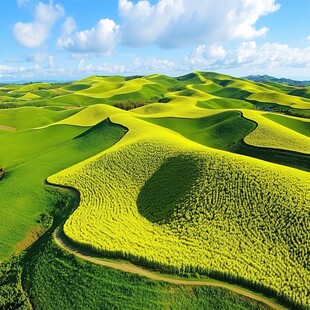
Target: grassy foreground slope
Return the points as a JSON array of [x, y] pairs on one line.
[[194, 209], [80, 285], [29, 157]]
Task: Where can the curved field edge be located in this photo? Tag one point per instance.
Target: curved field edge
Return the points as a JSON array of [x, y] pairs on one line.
[[51, 278], [25, 200], [301, 126], [130, 222], [227, 131], [271, 134], [56, 234], [61, 240]]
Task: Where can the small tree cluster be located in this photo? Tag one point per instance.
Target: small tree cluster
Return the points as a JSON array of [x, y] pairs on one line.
[[129, 104]]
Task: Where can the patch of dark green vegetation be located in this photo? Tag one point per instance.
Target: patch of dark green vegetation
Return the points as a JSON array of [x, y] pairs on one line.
[[133, 77], [12, 295], [301, 92], [31, 103], [164, 100], [77, 87], [174, 180], [129, 104], [2, 173], [270, 106], [51, 273], [187, 92], [223, 83], [232, 92], [8, 105], [45, 220], [299, 113], [59, 84], [176, 88]]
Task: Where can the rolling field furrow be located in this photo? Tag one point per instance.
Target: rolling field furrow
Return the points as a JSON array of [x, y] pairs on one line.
[[206, 226]]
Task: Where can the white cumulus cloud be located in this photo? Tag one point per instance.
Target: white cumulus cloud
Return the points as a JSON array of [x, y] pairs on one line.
[[5, 68], [152, 65], [21, 3], [205, 55], [100, 39], [68, 26], [41, 57], [249, 55], [34, 34], [174, 23], [105, 68]]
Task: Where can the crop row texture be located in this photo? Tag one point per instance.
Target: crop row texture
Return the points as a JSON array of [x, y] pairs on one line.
[[161, 200]]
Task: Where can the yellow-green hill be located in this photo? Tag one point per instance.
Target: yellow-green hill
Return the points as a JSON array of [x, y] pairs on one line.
[[159, 199]]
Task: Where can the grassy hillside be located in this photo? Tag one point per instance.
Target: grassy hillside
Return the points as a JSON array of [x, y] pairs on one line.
[[87, 286], [196, 179], [186, 204], [32, 117], [274, 135], [222, 130], [282, 99], [299, 125], [29, 158], [210, 90]]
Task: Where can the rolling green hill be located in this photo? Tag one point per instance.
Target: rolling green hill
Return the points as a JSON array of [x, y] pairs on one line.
[[188, 200], [199, 175]]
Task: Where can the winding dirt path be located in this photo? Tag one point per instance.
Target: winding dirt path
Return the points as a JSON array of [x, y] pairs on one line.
[[127, 267], [7, 128]]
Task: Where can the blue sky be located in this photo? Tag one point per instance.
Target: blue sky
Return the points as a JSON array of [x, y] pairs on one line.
[[71, 39]]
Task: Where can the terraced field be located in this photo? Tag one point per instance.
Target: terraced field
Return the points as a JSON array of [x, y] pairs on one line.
[[206, 175]]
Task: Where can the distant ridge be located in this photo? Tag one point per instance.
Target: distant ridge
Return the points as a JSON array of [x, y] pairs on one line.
[[268, 78], [26, 82]]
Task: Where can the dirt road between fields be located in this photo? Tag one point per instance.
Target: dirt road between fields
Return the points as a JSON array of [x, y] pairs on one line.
[[130, 268]]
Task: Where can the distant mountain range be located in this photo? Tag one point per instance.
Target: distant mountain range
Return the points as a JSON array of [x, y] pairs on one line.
[[268, 78]]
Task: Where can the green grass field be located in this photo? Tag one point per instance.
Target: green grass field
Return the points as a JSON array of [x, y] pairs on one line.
[[222, 130], [30, 157], [114, 289], [274, 135], [299, 125], [203, 176]]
